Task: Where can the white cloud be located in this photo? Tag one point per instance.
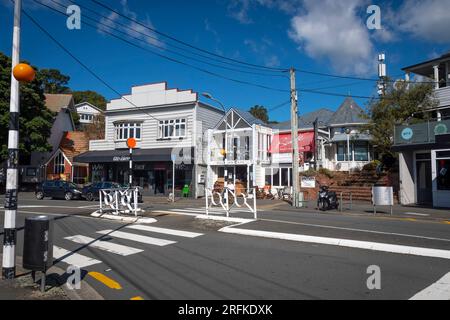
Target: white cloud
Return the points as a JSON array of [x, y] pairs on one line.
[[332, 30], [426, 19], [238, 9]]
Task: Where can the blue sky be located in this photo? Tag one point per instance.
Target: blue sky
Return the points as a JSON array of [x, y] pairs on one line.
[[323, 36]]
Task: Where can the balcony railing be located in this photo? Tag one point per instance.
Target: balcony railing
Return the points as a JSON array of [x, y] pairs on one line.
[[443, 95], [239, 154], [420, 133]]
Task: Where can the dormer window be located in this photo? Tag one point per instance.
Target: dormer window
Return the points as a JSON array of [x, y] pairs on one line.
[[125, 130]]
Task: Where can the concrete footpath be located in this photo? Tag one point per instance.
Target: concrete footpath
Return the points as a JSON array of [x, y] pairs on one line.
[[24, 288]]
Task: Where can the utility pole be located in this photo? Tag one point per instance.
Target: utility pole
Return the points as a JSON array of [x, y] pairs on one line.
[[294, 133], [382, 74], [316, 143], [12, 174]]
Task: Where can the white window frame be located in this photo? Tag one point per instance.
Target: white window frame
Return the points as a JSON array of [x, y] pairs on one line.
[[172, 128], [125, 130], [59, 164]]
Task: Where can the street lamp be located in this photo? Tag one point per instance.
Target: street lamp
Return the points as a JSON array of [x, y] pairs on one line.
[[210, 97]]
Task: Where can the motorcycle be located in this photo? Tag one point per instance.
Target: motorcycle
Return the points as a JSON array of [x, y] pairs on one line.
[[327, 199]]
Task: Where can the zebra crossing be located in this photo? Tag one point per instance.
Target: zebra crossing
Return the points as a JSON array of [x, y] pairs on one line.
[[105, 243]]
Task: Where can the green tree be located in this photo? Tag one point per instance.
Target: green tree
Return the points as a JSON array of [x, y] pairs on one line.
[[53, 81], [260, 112], [400, 104], [35, 119], [90, 96]]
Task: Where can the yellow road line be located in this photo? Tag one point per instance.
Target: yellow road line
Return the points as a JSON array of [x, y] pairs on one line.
[[110, 283], [137, 298]]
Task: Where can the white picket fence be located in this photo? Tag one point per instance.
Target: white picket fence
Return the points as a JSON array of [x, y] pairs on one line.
[[240, 202], [119, 201]]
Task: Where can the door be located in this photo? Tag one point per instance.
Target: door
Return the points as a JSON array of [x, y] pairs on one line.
[[424, 182], [160, 181]]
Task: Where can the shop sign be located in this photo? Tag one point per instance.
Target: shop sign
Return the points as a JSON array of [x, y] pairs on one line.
[[308, 182], [407, 134], [121, 158]]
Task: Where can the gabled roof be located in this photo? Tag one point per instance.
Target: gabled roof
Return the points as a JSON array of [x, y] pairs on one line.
[[89, 104], [248, 117], [245, 115], [56, 102], [74, 143], [348, 113]]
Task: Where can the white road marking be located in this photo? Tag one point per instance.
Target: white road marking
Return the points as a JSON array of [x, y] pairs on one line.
[[173, 232], [204, 216], [72, 258], [104, 245], [137, 238], [417, 214], [358, 230], [368, 245], [440, 290]]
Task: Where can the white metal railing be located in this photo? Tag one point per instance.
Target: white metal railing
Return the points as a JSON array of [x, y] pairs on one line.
[[119, 201], [227, 205]]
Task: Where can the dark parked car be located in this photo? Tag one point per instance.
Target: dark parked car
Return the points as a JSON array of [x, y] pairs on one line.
[[91, 192], [58, 190]]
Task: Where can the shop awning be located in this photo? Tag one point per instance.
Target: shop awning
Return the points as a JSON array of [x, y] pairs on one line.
[[282, 143], [139, 155]]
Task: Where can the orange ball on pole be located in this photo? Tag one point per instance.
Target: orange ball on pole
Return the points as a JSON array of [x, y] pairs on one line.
[[24, 72]]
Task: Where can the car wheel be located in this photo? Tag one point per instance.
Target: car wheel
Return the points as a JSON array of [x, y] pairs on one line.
[[68, 196], [39, 195], [90, 197]]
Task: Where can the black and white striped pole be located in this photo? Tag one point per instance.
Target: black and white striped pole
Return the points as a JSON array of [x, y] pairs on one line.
[[20, 72], [131, 144]]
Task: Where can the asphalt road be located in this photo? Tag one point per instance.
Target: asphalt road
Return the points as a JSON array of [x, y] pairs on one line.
[[208, 264]]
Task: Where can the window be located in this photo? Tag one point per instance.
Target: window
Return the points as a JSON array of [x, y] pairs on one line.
[[342, 153], [172, 128], [31, 172], [126, 130], [58, 167], [361, 151], [443, 174]]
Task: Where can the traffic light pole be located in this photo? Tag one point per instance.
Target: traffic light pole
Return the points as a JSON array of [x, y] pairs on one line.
[[12, 174]]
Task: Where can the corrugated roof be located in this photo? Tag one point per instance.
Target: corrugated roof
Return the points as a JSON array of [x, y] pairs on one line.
[[306, 121], [349, 112], [55, 102]]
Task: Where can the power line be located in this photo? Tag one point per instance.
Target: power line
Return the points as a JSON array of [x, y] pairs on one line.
[[185, 43], [159, 41], [178, 61], [82, 64]]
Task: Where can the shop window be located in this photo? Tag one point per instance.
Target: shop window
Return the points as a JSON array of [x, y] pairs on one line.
[[268, 177], [443, 174], [172, 128], [276, 177], [128, 130], [284, 177]]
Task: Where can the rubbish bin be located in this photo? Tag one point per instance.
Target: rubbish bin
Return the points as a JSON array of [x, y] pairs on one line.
[[38, 243]]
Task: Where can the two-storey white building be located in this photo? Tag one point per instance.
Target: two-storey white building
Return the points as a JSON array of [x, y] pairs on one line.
[[168, 124]]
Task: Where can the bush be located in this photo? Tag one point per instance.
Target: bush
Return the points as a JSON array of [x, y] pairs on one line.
[[326, 172], [372, 166], [309, 173]]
